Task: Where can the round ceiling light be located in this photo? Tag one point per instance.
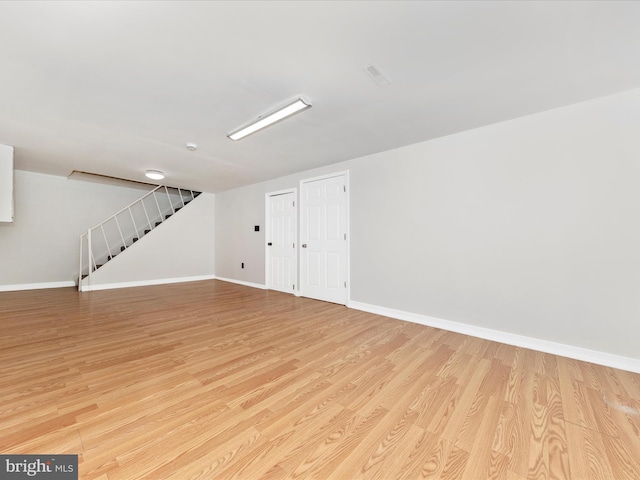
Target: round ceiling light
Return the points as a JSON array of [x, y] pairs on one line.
[[192, 147], [154, 174]]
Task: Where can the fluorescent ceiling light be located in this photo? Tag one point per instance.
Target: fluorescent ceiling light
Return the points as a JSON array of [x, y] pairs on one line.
[[154, 174], [291, 109]]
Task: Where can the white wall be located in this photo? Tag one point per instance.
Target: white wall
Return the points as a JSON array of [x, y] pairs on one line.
[[6, 183], [180, 249], [237, 242], [41, 245], [528, 226]]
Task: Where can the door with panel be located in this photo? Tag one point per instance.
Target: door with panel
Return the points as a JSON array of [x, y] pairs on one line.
[[282, 268], [323, 238]]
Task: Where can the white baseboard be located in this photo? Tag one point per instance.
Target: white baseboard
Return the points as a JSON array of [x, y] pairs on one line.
[[570, 351], [240, 282], [36, 286], [561, 349], [145, 283]]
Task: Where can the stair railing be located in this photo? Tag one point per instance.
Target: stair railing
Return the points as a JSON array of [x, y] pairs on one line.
[[104, 241]]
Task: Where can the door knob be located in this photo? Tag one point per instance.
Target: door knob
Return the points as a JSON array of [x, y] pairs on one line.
[[269, 244], [304, 245]]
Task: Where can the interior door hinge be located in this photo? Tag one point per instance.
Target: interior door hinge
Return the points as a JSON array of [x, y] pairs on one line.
[[344, 187], [345, 236], [345, 284]]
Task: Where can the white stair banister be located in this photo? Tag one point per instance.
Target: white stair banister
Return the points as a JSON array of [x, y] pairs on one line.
[[90, 256], [120, 231], [111, 229], [158, 205], [147, 215], [105, 239], [134, 222], [169, 199]]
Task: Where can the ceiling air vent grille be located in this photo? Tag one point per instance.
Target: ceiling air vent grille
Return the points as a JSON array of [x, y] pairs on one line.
[[377, 76]]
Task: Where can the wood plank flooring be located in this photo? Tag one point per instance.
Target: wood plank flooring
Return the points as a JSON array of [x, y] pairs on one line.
[[210, 380]]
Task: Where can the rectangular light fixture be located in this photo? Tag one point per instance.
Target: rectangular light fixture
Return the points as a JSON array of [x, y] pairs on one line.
[[280, 114]]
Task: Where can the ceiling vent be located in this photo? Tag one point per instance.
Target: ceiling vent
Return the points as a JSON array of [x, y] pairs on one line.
[[377, 76]]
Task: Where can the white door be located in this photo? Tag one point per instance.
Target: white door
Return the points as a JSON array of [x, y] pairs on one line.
[[323, 238], [282, 267]]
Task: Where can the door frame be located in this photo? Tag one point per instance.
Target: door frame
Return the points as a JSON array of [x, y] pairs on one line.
[[300, 213], [267, 233]]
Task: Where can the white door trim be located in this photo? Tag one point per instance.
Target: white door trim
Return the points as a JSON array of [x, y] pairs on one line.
[[300, 210], [267, 236]]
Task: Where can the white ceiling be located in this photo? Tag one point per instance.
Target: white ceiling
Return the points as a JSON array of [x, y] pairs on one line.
[[116, 88]]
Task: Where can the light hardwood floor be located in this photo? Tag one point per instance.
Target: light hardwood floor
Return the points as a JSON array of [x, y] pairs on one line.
[[211, 380]]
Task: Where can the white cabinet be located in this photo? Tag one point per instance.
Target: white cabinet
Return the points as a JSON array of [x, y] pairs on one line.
[[6, 183]]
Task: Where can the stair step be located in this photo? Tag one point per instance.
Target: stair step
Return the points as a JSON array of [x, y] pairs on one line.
[[146, 231], [122, 249], [158, 223], [195, 194], [168, 216], [134, 239]]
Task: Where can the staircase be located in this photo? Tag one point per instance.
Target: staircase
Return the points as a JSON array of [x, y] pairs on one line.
[[102, 243]]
